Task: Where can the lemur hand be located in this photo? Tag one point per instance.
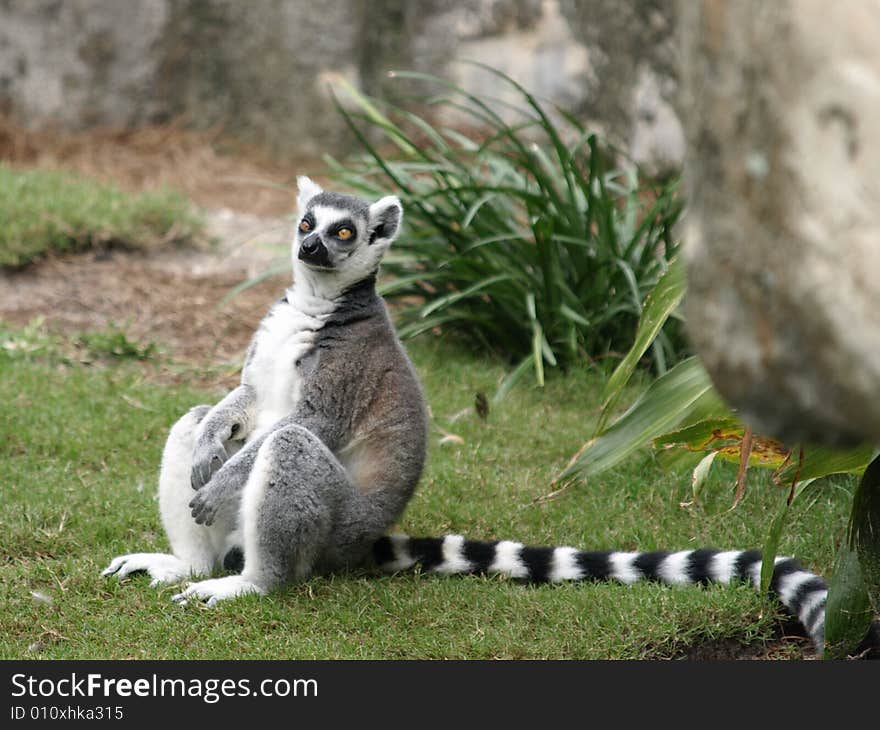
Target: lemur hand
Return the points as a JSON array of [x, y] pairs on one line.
[[205, 504], [208, 456]]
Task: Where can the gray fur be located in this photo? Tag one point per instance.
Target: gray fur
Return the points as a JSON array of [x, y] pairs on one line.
[[356, 206], [312, 489]]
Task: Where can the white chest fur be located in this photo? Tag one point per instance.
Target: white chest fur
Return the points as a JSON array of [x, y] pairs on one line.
[[286, 334]]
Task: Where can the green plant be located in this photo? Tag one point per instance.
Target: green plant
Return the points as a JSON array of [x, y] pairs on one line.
[[528, 242], [114, 344], [46, 211], [34, 342], [30, 342], [685, 419]]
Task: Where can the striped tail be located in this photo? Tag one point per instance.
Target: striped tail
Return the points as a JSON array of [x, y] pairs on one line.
[[801, 592]]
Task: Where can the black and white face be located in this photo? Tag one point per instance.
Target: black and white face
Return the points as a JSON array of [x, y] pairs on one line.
[[342, 236]]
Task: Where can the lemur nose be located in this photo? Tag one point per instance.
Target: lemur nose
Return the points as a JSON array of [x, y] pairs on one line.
[[311, 244]]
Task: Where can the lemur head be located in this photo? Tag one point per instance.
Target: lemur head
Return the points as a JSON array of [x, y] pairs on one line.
[[340, 239]]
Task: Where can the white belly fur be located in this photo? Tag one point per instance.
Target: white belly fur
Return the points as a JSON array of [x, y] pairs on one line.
[[286, 334]]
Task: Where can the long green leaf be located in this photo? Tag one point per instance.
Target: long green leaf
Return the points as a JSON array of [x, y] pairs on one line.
[[378, 118], [569, 313], [512, 379], [537, 339], [478, 288], [820, 461], [474, 209], [771, 546], [848, 613], [695, 434], [854, 592], [666, 402], [659, 304], [865, 530]]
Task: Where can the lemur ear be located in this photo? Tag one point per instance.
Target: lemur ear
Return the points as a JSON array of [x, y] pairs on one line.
[[306, 191], [385, 217]]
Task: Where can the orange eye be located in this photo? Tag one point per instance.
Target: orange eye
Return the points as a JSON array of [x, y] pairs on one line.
[[305, 226], [344, 233]]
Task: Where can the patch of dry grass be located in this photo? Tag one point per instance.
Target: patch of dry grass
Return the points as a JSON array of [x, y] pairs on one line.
[[213, 171]]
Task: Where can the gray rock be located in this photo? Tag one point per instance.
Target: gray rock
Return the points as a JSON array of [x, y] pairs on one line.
[[81, 62], [634, 80], [782, 109], [260, 69]]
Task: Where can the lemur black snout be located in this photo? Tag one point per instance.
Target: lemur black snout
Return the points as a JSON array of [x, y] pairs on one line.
[[311, 244], [313, 251]]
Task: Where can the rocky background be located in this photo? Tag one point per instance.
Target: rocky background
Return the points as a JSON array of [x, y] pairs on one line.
[[781, 102], [260, 69]]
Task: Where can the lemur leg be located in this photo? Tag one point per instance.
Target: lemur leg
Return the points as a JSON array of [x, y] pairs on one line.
[[290, 512], [197, 549]]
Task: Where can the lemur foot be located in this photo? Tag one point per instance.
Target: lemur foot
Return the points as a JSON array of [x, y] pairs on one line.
[[217, 589], [162, 568]]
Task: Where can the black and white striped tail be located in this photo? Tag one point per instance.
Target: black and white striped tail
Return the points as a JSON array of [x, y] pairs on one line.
[[801, 592]]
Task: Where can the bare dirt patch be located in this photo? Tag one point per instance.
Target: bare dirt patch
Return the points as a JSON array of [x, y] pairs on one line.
[[779, 647], [144, 296]]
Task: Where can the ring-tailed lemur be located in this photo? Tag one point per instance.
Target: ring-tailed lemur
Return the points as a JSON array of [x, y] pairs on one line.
[[306, 464]]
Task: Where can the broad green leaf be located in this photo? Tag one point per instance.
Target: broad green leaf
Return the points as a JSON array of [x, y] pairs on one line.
[[663, 299], [698, 435], [677, 458], [848, 613], [666, 402], [723, 436], [820, 461], [711, 406], [854, 591], [865, 530]]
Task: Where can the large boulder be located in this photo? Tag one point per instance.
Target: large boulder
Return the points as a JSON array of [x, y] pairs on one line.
[[781, 102]]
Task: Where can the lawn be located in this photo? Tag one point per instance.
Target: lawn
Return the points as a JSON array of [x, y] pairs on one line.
[[79, 456]]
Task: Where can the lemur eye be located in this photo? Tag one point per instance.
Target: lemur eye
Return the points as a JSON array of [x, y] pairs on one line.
[[305, 226], [344, 233]]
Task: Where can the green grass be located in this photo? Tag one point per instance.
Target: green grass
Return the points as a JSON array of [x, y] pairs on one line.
[[45, 212], [79, 456]]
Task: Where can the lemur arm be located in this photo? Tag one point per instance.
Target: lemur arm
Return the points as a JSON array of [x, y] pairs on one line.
[[227, 482], [231, 419]]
